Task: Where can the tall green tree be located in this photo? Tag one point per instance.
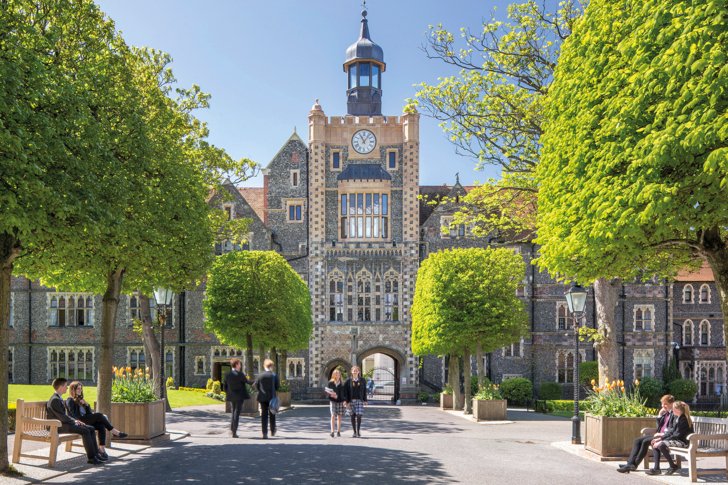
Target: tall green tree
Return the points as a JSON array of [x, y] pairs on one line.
[[257, 297], [465, 298], [51, 137], [635, 158]]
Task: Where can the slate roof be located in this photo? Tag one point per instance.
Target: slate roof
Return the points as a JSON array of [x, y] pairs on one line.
[[364, 171]]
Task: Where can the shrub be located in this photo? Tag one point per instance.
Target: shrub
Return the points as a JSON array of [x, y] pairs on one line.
[[193, 389], [423, 396], [170, 382], [517, 390], [552, 405], [588, 371], [283, 386], [670, 372], [651, 389], [131, 386], [550, 391], [447, 390], [474, 385], [489, 392], [683, 389], [216, 387], [209, 384], [214, 395]]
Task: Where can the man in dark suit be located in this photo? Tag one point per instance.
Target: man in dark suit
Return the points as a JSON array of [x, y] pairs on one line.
[[267, 384], [639, 448], [56, 409], [236, 393]]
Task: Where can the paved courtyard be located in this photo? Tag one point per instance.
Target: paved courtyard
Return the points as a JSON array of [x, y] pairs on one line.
[[399, 445]]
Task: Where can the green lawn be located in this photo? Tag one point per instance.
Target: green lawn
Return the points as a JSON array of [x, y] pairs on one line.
[[177, 399]]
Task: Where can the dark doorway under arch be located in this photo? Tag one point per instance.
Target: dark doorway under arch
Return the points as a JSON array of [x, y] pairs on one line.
[[382, 369]]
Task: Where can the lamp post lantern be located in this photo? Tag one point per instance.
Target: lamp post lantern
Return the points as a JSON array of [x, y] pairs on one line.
[[576, 300], [163, 299]]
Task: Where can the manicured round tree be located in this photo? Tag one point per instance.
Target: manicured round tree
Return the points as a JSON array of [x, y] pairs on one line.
[[466, 297], [256, 295]]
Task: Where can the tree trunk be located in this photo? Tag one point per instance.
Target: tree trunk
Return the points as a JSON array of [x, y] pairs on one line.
[[151, 343], [274, 358], [716, 252], [249, 357], [261, 357], [9, 251], [481, 367], [466, 374], [283, 371], [606, 295], [114, 282], [454, 378]]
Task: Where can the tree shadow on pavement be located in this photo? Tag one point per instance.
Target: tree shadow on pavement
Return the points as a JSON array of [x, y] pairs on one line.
[[273, 462]]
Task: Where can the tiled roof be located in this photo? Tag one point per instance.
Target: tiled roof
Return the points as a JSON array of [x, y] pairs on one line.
[[703, 274], [255, 197], [364, 171], [430, 193]]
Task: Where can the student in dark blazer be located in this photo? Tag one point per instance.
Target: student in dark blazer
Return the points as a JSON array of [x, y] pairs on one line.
[[267, 384], [56, 409], [236, 392], [356, 398], [675, 435], [79, 409], [641, 444]]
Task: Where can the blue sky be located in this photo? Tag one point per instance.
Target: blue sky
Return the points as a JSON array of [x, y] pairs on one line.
[[264, 63]]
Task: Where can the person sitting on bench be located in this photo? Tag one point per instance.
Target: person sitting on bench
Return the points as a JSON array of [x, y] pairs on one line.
[[56, 409], [79, 409]]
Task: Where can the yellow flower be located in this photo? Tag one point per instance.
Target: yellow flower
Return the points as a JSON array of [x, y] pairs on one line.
[[113, 369], [593, 382], [128, 369], [637, 382]]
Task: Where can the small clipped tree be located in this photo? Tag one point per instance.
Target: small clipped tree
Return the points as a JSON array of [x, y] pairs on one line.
[[683, 389], [466, 297], [517, 390], [256, 296]]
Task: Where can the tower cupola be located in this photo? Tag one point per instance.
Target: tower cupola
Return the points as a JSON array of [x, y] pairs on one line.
[[364, 66]]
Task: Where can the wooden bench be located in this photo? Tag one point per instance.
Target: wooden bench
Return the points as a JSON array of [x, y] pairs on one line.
[[709, 439], [31, 424]]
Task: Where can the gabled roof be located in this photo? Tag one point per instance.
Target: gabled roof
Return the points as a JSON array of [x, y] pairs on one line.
[[364, 171], [435, 193], [294, 137], [705, 273], [255, 197]]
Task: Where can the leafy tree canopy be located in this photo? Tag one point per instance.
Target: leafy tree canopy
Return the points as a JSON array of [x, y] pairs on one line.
[[468, 296]]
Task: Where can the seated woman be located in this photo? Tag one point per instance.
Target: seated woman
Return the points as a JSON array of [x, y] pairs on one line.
[[675, 435], [79, 409]]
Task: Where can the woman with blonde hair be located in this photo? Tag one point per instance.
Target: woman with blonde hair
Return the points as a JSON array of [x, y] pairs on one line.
[[337, 395], [79, 409], [356, 398], [675, 435]]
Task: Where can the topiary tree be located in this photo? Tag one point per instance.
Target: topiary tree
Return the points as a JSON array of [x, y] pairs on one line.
[[464, 297], [651, 389], [257, 296], [588, 371]]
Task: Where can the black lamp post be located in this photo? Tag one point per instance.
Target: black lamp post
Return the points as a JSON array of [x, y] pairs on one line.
[[163, 299], [576, 299]]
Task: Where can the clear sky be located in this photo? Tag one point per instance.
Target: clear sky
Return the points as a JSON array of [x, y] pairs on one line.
[[265, 62]]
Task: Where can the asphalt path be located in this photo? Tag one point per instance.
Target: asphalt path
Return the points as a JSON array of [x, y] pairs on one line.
[[398, 445]]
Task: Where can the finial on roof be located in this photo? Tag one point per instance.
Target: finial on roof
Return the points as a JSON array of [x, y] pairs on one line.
[[294, 129], [457, 178], [364, 8], [316, 106]]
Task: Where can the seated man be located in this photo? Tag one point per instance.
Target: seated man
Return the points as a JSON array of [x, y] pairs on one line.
[[56, 409], [639, 448]]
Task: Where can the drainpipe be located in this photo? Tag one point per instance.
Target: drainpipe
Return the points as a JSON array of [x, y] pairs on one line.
[[623, 297], [532, 291], [668, 339], [182, 330]]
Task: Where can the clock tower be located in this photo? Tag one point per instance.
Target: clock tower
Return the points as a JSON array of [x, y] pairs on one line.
[[363, 227]]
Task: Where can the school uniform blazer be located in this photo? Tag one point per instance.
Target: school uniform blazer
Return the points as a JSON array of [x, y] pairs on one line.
[[235, 389], [356, 390], [678, 430], [340, 391], [74, 409], [55, 409], [266, 384], [670, 417]]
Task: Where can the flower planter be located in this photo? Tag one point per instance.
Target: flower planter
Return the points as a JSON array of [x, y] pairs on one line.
[[613, 437], [446, 401], [142, 421], [490, 410], [285, 398]]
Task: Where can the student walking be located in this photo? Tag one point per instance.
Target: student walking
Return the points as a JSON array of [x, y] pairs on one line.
[[267, 384], [356, 398], [337, 397], [79, 409], [236, 392]]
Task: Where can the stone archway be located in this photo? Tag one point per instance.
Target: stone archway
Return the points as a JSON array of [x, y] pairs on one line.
[[329, 369], [392, 394]]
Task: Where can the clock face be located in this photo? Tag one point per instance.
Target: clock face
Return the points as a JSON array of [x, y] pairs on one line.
[[363, 141]]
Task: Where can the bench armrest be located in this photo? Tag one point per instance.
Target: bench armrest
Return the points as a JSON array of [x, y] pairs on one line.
[[695, 437], [648, 431], [54, 423]]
